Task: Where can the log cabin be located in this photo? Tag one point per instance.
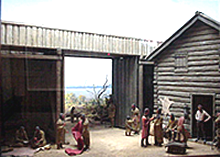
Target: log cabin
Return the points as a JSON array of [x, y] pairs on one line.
[[187, 70]]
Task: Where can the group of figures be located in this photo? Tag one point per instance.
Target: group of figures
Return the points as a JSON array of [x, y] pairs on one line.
[[174, 131], [153, 126], [38, 140]]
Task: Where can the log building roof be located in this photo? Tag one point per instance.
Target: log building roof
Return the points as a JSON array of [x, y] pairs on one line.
[[199, 16]]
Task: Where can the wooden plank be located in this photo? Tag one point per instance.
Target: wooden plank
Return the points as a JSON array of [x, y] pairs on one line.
[[9, 35], [34, 36], [203, 53], [213, 68], [196, 49], [49, 38], [29, 39], [174, 93], [203, 58], [28, 56], [194, 44], [202, 63], [15, 35], [190, 78], [39, 37], [165, 69], [190, 89], [3, 33], [191, 84]]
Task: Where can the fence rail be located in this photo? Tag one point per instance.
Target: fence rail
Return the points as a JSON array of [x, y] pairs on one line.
[[36, 36]]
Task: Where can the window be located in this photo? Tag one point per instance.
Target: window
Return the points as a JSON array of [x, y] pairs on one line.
[[181, 62]]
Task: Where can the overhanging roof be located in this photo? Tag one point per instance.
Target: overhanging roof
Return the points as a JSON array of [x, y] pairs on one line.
[[199, 16]]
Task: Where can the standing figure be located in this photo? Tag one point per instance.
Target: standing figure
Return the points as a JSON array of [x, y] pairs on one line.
[[171, 127], [145, 127], [182, 131], [200, 117], [61, 130], [158, 131], [111, 110], [39, 138], [81, 135], [21, 137], [85, 134], [136, 118], [128, 126], [72, 115]]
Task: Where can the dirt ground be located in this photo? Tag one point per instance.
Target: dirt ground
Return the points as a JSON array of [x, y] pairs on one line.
[[106, 142]]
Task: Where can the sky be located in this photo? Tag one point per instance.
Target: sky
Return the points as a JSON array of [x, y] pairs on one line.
[[146, 19]]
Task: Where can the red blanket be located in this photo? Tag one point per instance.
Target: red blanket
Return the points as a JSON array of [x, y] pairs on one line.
[[77, 134]]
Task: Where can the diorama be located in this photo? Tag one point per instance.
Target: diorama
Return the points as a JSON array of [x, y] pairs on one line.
[[168, 94]]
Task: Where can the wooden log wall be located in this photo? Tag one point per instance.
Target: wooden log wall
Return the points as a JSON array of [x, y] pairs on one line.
[[202, 75], [36, 36], [125, 87]]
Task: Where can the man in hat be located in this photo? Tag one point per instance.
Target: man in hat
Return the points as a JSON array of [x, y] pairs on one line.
[[200, 117]]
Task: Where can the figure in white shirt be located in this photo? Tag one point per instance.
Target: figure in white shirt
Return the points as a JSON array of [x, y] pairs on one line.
[[200, 117]]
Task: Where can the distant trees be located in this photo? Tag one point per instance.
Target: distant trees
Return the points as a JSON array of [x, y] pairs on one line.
[[97, 94]]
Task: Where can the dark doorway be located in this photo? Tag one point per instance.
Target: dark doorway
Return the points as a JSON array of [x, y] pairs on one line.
[[207, 102], [148, 87]]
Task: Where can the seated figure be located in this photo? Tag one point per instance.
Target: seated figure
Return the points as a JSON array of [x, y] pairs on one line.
[[129, 126], [21, 138], [171, 127], [39, 138]]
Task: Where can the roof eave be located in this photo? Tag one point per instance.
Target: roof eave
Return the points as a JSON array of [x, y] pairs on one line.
[[205, 19]]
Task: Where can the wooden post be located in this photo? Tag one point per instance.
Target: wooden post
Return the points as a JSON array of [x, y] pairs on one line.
[[1, 97], [58, 84]]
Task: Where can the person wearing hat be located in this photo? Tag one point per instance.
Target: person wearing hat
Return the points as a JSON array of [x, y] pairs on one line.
[[145, 127], [136, 118], [128, 126], [61, 130], [200, 117], [21, 137], [39, 138]]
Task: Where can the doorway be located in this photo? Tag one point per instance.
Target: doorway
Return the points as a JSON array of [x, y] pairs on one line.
[[207, 102], [148, 90]]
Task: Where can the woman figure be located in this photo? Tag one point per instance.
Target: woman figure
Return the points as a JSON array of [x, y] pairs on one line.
[[145, 127], [158, 131], [170, 129]]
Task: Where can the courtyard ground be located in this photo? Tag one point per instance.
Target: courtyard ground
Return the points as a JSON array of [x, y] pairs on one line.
[[111, 142]]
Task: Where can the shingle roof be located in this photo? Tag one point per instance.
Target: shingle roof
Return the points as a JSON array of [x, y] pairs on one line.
[[199, 16]]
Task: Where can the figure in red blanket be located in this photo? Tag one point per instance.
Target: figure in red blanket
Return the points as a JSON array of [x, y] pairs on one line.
[[145, 127], [81, 134]]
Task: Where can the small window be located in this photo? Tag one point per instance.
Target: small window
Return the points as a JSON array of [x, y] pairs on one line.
[[181, 62]]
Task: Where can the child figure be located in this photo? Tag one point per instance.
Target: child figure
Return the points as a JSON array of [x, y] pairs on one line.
[[145, 127], [128, 126]]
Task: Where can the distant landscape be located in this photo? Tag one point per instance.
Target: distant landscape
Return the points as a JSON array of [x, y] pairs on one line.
[[83, 90]]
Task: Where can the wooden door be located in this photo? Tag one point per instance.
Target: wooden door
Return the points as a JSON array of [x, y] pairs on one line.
[[207, 102]]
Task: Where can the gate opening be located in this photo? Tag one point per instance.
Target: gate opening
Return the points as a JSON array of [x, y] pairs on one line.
[[88, 85]]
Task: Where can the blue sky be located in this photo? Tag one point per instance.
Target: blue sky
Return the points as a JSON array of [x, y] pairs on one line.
[[147, 19]]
